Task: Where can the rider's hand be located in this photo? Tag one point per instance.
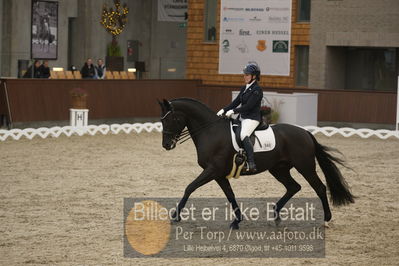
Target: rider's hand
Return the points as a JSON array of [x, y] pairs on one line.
[[220, 113], [229, 113]]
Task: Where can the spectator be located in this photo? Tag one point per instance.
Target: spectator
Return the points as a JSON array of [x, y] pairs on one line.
[[88, 71], [33, 71], [73, 68], [100, 69], [45, 70]]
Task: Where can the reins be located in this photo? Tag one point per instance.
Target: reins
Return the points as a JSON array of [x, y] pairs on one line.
[[186, 134]]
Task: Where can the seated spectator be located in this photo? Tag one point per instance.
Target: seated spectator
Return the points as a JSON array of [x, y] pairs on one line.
[[73, 68], [45, 70], [100, 69], [88, 71], [33, 71]]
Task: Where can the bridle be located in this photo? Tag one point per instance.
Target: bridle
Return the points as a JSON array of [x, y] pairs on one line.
[[162, 118], [185, 135], [175, 136]]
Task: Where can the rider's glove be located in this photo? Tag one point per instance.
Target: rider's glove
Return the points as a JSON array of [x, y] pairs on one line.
[[229, 113], [220, 113]]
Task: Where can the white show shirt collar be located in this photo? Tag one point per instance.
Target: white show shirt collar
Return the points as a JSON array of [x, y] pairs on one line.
[[249, 85]]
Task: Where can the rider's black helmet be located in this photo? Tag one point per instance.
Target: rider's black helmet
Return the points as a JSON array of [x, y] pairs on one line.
[[252, 69]]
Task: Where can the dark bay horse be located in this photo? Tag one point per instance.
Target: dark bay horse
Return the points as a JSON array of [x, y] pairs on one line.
[[295, 147]]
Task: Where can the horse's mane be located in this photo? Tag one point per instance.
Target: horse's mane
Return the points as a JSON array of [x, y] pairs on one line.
[[192, 101]]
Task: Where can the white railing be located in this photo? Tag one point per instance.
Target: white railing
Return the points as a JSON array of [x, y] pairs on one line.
[[348, 132], [68, 131]]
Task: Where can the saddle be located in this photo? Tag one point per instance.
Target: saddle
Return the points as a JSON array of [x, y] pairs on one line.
[[236, 126], [262, 139]]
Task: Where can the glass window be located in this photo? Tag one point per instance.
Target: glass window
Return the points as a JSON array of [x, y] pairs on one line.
[[303, 13], [371, 69], [301, 65], [210, 20]]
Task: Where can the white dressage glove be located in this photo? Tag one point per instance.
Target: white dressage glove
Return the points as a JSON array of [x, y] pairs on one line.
[[220, 113], [229, 113]]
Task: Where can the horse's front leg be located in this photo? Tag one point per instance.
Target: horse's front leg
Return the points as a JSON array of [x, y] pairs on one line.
[[228, 191], [206, 176]]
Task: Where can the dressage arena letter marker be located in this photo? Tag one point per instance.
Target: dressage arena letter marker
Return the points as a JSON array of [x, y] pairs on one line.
[[79, 117]]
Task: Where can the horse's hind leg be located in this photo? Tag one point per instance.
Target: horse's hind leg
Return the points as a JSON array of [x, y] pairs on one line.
[[282, 174], [313, 179]]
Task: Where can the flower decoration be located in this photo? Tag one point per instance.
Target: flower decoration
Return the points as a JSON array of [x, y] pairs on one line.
[[78, 92], [114, 21], [269, 115], [265, 110]]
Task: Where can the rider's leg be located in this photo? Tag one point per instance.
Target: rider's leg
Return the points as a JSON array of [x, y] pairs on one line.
[[247, 127]]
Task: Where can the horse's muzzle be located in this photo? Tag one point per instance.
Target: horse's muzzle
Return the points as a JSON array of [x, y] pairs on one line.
[[170, 146]]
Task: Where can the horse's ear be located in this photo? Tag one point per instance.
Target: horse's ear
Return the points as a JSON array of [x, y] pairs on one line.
[[160, 103], [167, 105]]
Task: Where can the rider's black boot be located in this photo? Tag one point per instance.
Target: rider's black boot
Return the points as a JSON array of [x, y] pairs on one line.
[[250, 154]]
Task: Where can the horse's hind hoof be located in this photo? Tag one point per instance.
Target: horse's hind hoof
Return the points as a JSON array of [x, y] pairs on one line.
[[277, 221], [326, 225]]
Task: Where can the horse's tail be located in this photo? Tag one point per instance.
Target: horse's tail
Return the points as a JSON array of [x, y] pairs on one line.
[[339, 190]]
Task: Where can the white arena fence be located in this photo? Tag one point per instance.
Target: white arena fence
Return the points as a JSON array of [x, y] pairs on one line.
[[92, 130], [349, 132]]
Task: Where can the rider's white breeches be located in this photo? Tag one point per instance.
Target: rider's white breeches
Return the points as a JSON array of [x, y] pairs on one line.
[[247, 127]]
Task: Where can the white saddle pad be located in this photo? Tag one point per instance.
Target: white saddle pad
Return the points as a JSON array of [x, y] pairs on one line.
[[267, 141]]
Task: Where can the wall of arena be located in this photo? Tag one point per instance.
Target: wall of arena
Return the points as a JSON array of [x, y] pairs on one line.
[[49, 100]]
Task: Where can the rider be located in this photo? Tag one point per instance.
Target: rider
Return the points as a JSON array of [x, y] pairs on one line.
[[250, 98]]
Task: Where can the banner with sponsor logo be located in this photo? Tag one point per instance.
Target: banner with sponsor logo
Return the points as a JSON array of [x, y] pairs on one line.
[[172, 10], [255, 31]]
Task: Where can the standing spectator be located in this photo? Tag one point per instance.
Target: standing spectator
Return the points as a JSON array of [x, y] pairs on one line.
[[45, 70], [100, 69], [88, 71], [33, 71]]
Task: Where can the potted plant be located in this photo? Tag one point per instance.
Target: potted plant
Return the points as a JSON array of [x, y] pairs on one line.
[[78, 98], [114, 58], [113, 49]]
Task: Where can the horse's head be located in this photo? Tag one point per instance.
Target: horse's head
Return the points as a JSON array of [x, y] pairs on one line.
[[173, 124]]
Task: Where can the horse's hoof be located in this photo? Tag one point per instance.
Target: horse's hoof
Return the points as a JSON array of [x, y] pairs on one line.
[[277, 221], [175, 217], [326, 225], [234, 225]]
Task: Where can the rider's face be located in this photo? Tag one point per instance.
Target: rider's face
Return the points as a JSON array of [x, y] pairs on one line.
[[247, 78]]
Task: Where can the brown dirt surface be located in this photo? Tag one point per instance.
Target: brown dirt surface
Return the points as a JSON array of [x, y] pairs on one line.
[[62, 199]]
